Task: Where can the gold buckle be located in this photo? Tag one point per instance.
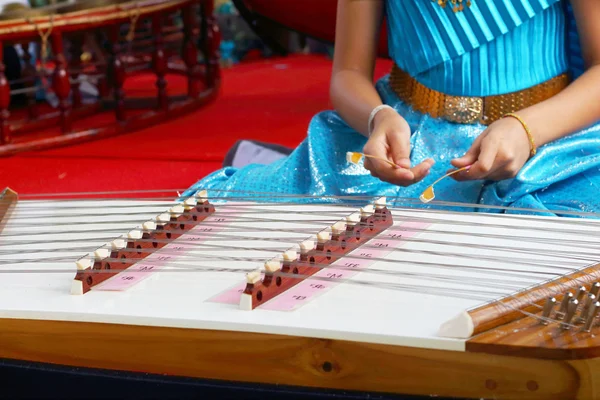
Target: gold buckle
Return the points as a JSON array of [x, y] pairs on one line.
[[463, 110]]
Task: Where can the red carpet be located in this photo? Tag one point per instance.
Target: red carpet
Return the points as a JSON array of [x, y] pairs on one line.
[[270, 100]]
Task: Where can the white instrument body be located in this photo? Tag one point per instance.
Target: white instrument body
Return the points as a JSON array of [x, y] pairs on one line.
[[370, 314]]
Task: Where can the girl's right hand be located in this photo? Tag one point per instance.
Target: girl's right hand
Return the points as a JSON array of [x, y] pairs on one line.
[[391, 140]]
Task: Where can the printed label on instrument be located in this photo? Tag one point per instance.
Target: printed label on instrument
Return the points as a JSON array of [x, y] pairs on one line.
[[324, 280], [156, 261]]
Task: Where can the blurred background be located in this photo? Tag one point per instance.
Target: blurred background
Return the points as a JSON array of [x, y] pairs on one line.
[[104, 95]]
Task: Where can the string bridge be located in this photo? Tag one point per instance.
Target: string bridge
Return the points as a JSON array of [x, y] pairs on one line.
[[331, 244], [137, 244]]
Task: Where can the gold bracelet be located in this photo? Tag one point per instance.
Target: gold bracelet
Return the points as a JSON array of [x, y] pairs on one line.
[[527, 131]]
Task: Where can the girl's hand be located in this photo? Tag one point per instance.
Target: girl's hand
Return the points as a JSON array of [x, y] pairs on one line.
[[498, 153], [391, 140]]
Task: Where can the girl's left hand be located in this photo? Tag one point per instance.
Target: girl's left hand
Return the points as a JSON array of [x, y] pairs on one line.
[[498, 153]]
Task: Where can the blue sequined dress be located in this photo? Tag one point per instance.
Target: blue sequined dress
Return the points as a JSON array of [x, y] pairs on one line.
[[492, 47]]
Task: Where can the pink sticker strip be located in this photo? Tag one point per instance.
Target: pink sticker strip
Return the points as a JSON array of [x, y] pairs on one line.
[[309, 289], [231, 295], [156, 261]]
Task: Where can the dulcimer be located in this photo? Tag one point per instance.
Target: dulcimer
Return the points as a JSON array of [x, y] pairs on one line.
[[354, 293]]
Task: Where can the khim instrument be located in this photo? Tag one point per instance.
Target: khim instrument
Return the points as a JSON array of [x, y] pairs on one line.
[[339, 292]]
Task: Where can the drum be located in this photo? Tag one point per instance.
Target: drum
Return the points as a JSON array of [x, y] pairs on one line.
[[76, 59]]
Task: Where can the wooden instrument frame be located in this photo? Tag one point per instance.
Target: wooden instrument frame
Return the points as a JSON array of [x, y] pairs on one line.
[[509, 356], [203, 79], [299, 361]]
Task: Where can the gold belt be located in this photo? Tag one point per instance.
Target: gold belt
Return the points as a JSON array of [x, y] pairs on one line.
[[468, 110]]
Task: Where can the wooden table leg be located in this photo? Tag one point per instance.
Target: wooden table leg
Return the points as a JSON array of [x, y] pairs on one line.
[[213, 39], [116, 72], [76, 66], [159, 62], [60, 82], [190, 50], [29, 75], [4, 101]]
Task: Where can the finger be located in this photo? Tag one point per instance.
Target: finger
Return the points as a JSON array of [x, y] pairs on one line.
[[506, 171], [400, 148], [497, 176], [485, 161], [381, 169], [470, 156], [369, 167], [421, 170], [461, 175], [376, 149], [397, 176]]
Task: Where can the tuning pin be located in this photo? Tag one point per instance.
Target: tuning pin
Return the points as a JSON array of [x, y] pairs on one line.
[[580, 293], [550, 302], [591, 299], [571, 309], [591, 316], [595, 289], [564, 304]]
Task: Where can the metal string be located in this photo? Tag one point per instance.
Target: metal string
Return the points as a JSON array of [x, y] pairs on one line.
[[230, 226], [193, 256], [556, 253], [421, 289], [254, 195], [183, 264], [478, 257], [445, 221], [312, 222], [570, 242], [406, 239], [367, 245]]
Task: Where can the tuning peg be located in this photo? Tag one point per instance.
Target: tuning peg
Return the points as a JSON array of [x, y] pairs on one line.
[[591, 316], [591, 299], [571, 309], [564, 304], [550, 303]]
